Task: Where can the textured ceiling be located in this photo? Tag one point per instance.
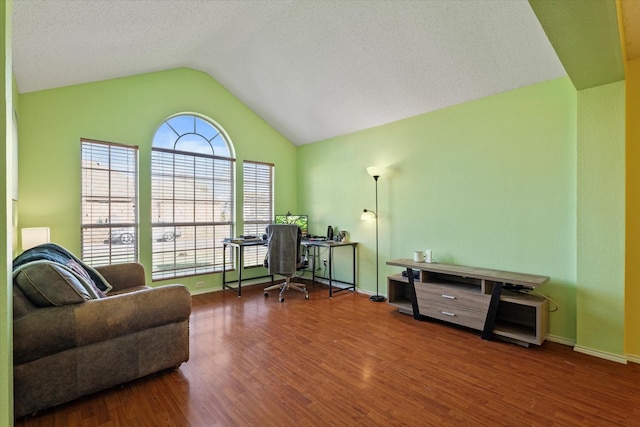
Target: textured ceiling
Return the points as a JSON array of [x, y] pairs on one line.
[[311, 69]]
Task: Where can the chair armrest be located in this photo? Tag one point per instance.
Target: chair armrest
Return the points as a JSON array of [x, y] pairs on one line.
[[124, 275], [50, 330]]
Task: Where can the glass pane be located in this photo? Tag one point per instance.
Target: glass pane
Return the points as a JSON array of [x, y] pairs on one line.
[[220, 147], [165, 137], [182, 124], [193, 144], [206, 129]]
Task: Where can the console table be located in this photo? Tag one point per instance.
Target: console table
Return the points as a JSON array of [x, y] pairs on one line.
[[487, 300]]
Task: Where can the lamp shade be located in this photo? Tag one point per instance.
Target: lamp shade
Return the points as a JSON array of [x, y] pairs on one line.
[[367, 215], [34, 236], [376, 170]]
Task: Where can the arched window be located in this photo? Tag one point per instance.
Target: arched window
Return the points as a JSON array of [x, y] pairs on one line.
[[192, 195]]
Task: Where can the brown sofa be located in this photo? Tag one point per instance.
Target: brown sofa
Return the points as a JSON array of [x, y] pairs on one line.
[[73, 348]]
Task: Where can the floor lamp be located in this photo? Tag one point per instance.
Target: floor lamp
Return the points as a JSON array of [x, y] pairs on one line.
[[376, 172]]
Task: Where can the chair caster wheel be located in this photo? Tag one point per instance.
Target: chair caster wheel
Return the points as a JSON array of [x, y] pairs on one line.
[[281, 299], [306, 296], [266, 294]]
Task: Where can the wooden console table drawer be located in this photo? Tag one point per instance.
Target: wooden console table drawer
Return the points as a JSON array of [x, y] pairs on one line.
[[473, 319], [459, 297]]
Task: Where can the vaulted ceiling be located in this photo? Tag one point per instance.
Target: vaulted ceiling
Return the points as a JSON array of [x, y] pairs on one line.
[[311, 69]]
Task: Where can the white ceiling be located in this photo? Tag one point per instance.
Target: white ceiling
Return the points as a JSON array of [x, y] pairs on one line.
[[311, 69]]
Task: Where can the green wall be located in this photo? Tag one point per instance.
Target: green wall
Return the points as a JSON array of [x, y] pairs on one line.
[[489, 183], [601, 219], [128, 111]]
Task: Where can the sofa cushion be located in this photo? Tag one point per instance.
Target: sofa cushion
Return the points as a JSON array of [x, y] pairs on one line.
[[48, 284]]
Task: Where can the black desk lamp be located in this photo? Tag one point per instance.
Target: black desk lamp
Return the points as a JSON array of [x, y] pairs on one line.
[[376, 172]]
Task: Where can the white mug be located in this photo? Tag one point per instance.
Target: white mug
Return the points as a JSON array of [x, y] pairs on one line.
[[418, 256], [427, 255]]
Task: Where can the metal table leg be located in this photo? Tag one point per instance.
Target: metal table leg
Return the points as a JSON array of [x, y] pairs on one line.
[[353, 266], [330, 268], [240, 261], [224, 266], [313, 266]]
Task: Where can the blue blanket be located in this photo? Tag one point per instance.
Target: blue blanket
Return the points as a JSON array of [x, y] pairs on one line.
[[57, 254]]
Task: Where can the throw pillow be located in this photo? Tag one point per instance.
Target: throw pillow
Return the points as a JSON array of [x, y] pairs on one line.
[[47, 284]]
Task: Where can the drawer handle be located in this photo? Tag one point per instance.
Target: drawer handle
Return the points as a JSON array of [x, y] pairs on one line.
[[448, 313], [448, 296]]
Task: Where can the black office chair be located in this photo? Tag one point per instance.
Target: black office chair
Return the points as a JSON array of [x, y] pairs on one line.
[[284, 257]]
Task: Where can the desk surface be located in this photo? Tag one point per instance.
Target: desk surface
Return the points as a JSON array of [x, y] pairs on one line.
[[323, 243], [237, 243], [326, 243]]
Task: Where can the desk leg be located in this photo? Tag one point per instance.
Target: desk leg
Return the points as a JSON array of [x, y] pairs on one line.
[[353, 266], [313, 267], [224, 266], [330, 268], [240, 262]]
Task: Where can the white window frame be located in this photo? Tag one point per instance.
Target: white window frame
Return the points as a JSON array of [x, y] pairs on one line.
[[109, 202]]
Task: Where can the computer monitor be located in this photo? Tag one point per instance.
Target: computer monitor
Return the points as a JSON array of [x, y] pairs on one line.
[[301, 221]]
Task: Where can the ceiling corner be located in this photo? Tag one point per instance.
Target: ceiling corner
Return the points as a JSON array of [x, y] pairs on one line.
[[585, 37]]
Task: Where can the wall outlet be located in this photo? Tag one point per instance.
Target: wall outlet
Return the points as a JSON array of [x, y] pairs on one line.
[[199, 284]]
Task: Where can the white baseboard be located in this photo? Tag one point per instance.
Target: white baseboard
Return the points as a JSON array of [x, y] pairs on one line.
[[633, 358], [561, 340], [365, 292], [601, 354], [245, 284], [203, 291]]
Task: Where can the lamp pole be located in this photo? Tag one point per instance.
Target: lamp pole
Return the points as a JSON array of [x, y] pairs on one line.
[[377, 297]]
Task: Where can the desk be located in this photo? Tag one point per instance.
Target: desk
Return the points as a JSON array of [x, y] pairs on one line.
[[315, 244], [239, 248]]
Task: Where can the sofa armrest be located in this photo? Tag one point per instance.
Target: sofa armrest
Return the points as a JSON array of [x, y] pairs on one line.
[[50, 330], [124, 275], [103, 319]]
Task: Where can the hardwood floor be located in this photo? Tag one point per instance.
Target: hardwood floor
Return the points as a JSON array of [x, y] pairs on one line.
[[350, 362]]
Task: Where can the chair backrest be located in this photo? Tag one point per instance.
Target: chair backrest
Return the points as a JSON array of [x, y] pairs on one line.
[[283, 248]]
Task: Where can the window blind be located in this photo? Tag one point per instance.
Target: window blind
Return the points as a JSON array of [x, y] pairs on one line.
[[257, 206], [109, 205], [192, 198]]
